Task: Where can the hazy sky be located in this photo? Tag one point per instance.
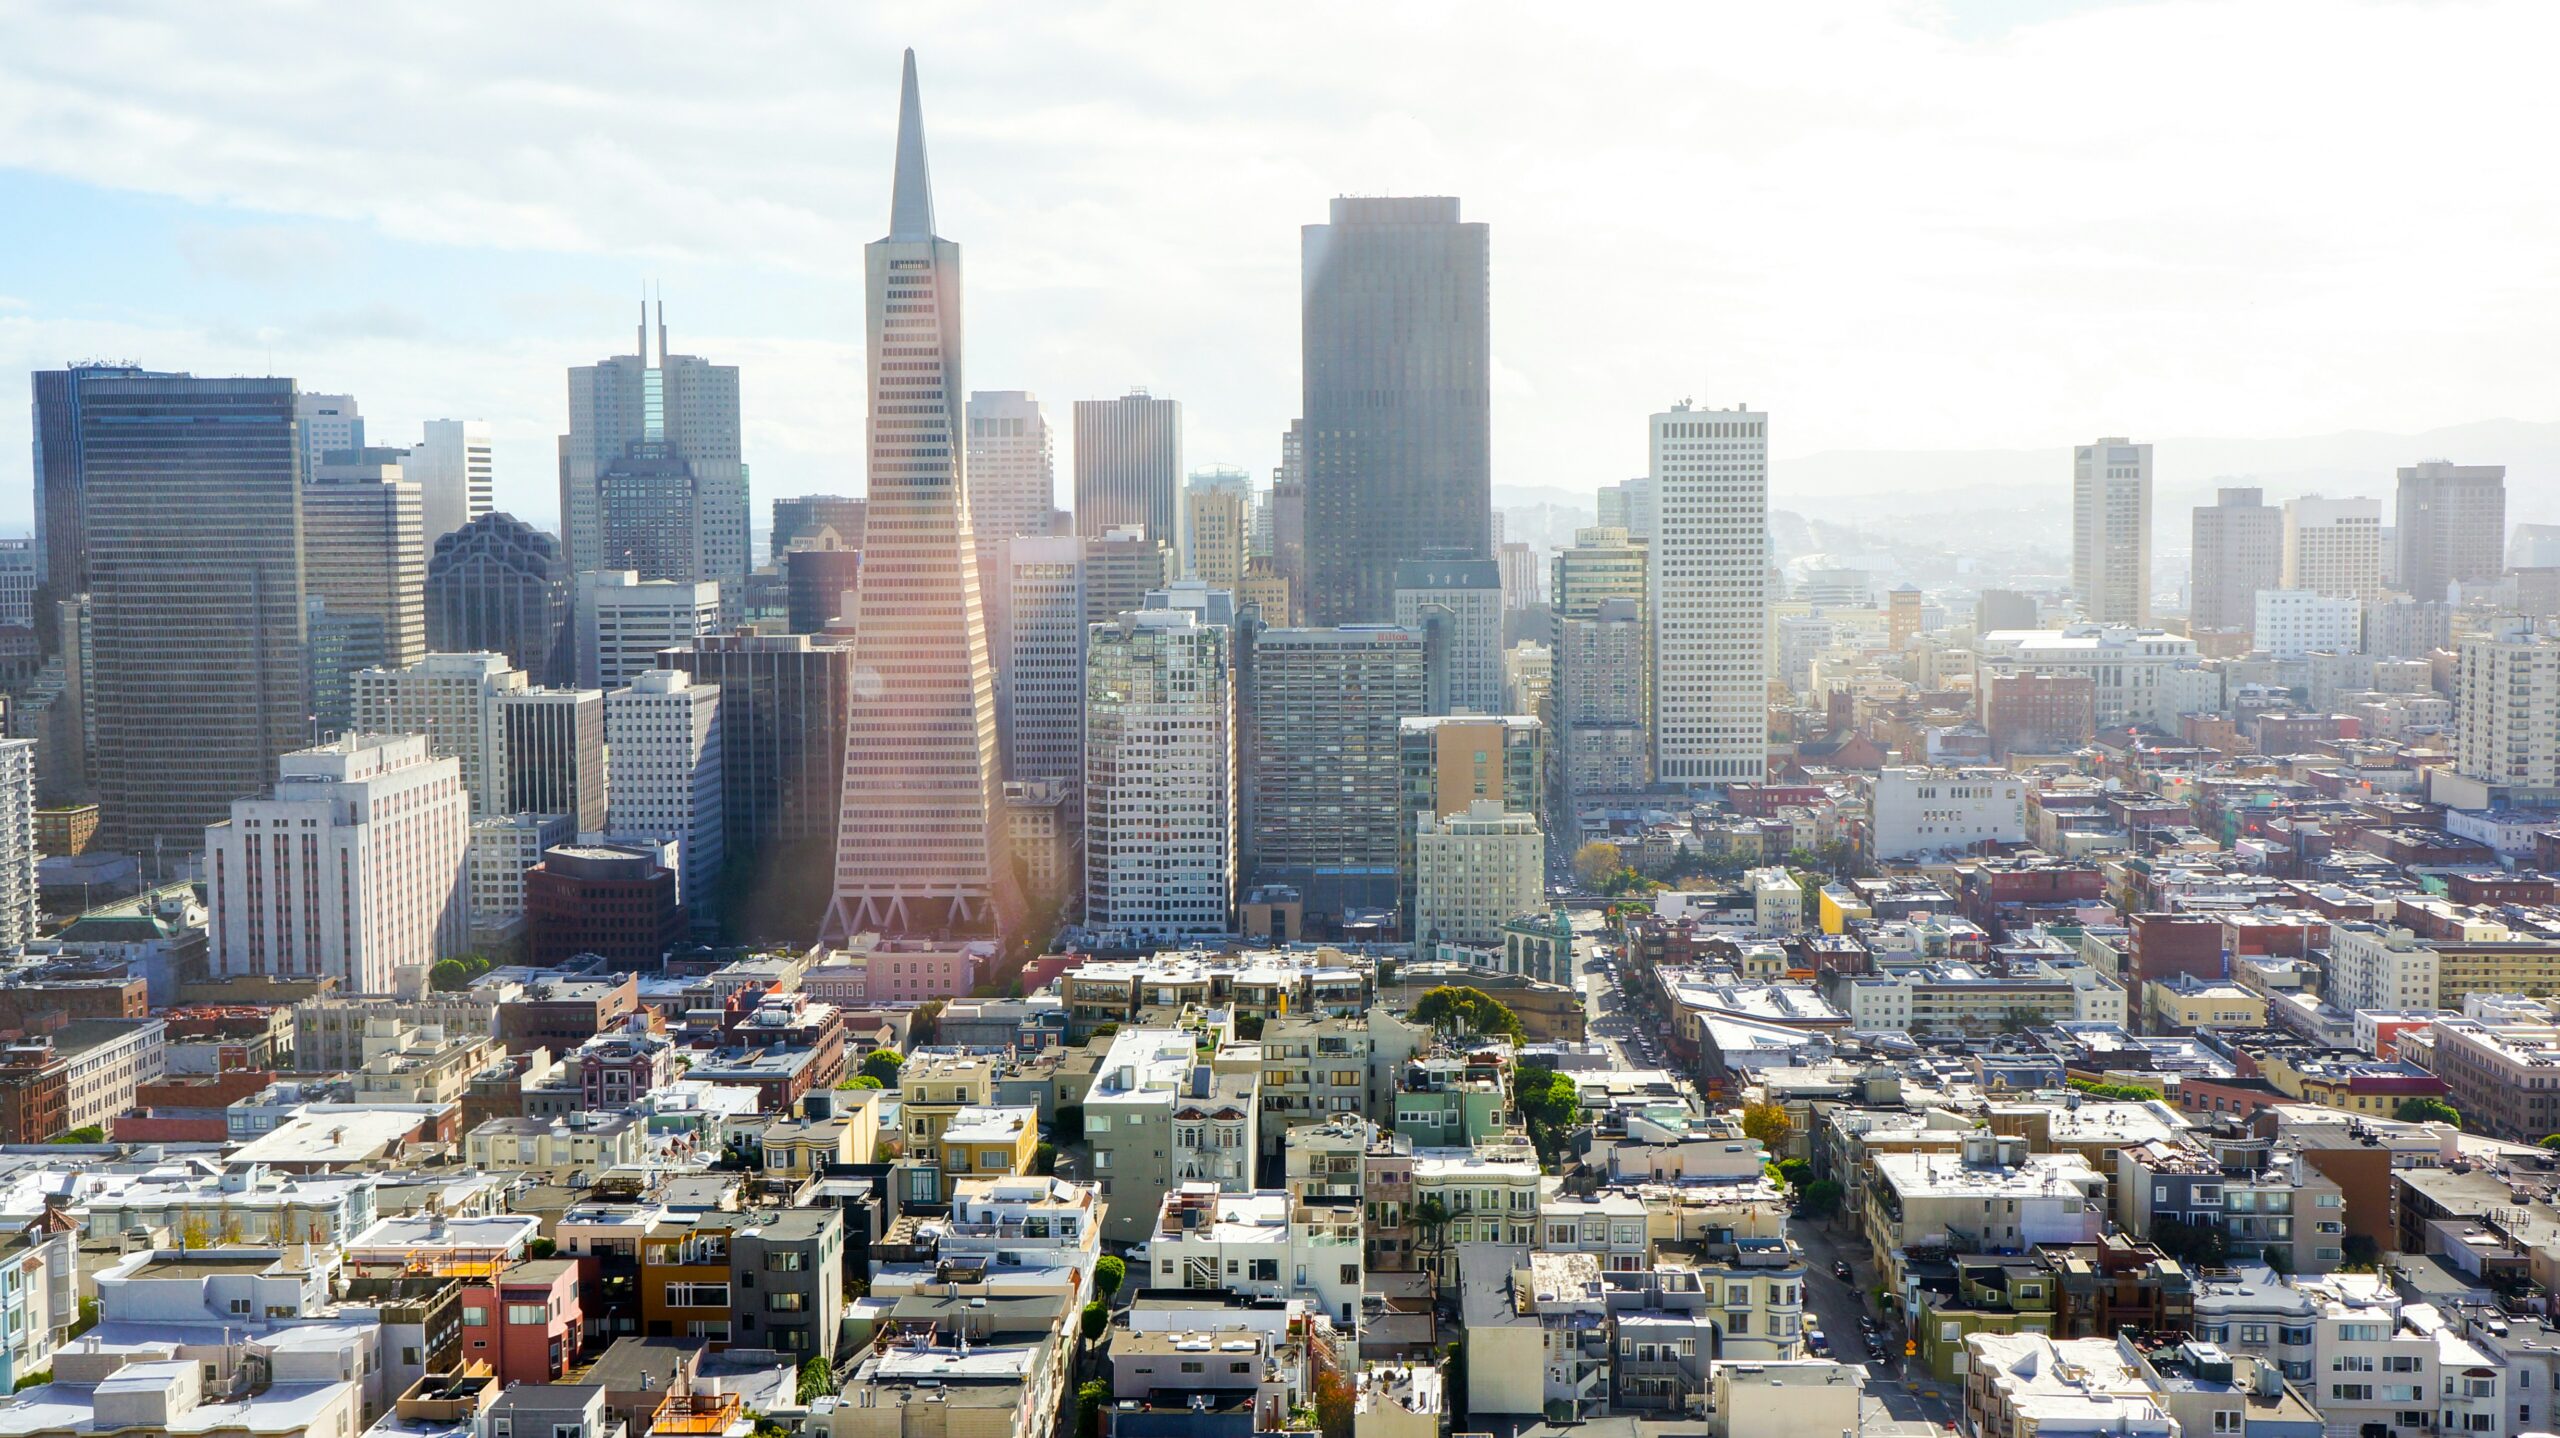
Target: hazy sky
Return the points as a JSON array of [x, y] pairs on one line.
[[1895, 225]]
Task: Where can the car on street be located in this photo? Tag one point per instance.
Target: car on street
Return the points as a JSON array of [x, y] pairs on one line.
[[1817, 1343], [1840, 1270]]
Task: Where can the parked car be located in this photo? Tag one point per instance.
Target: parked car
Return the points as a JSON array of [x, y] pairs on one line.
[[1816, 1343]]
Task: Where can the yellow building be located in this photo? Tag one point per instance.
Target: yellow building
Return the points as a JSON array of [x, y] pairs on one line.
[[989, 1142], [2182, 1004], [1839, 905]]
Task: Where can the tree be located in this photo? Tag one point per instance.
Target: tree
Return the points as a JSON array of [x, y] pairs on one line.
[[1431, 1217], [541, 1248], [1550, 1104], [884, 1064], [1469, 1010], [816, 1378], [1795, 1172], [1091, 1395], [2122, 1092], [1335, 1400], [1596, 861], [2551, 1140], [85, 1133], [1044, 1159], [1768, 1123], [1108, 1274], [926, 1026], [2427, 1110], [1096, 1318], [1821, 1198], [195, 1233], [861, 1081]]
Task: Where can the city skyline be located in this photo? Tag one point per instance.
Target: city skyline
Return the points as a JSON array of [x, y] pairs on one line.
[[244, 266]]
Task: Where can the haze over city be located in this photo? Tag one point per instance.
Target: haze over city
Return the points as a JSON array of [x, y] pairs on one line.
[[1901, 227]]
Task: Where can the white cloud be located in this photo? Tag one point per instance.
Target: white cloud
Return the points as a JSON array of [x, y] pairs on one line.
[[1886, 224]]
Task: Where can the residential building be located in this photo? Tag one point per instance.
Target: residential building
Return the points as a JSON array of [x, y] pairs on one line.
[[1707, 596], [2111, 531], [919, 849], [2507, 711], [2451, 526], [17, 843], [497, 584], [1456, 604], [374, 823], [1603, 702], [1475, 871], [1397, 420], [1323, 769], [1990, 1194], [623, 620], [663, 733], [2333, 547], [1451, 761], [2375, 967], [2294, 623], [1262, 1244], [1129, 467], [1156, 1118], [194, 644], [1159, 777]]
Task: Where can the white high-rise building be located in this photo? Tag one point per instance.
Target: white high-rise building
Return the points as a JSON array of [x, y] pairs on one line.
[[350, 868], [456, 475], [1159, 777], [324, 423], [2333, 546], [2294, 622], [663, 733], [2506, 709], [1475, 872], [18, 583], [2111, 531], [452, 699], [17, 843], [623, 621], [501, 849], [1012, 466], [1044, 735], [1706, 587], [651, 472]]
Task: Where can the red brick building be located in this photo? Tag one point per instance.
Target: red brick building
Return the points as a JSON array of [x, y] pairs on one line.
[[2039, 713], [597, 899], [2162, 944]]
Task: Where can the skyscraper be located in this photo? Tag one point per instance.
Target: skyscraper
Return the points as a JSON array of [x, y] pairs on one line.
[[2238, 550], [1602, 702], [452, 699], [1159, 777], [551, 755], [622, 621], [2111, 531], [805, 516], [1396, 352], [1706, 588], [663, 732], [2333, 546], [17, 843], [1604, 564], [1324, 773], [669, 424], [326, 424], [1044, 734], [1629, 505], [1129, 466], [499, 584], [2506, 709], [920, 827], [62, 551], [783, 703], [1013, 478], [193, 516], [2452, 525], [360, 547], [1217, 513], [456, 474], [350, 867]]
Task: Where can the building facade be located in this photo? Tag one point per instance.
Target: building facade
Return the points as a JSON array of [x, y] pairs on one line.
[[2111, 531], [1706, 585], [663, 737], [499, 585], [2452, 526], [1457, 604], [2239, 549], [1159, 778]]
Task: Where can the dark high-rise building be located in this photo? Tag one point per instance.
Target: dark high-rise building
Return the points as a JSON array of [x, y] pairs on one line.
[[802, 518], [552, 754], [1397, 427], [2452, 525], [191, 514], [1326, 709], [1129, 466], [62, 556], [498, 585], [782, 732], [821, 580], [649, 495]]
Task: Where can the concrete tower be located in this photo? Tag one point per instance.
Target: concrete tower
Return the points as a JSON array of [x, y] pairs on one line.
[[920, 827]]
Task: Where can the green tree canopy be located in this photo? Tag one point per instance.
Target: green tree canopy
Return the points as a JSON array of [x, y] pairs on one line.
[[884, 1064], [1768, 1123], [1468, 1010], [1109, 1274], [2427, 1110], [1596, 861]]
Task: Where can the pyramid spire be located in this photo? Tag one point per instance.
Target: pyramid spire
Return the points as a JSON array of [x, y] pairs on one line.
[[911, 197]]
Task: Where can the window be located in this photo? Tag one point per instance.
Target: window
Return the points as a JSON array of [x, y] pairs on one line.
[[2226, 1420], [528, 1314], [2351, 1392], [786, 1302], [475, 1317], [697, 1295]]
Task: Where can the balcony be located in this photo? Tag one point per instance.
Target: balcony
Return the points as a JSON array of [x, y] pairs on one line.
[[697, 1413]]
